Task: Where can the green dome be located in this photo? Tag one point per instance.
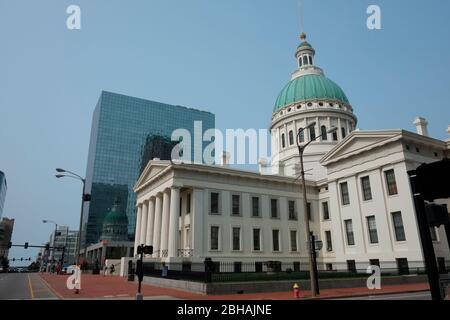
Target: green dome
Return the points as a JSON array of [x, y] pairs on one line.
[[115, 217], [310, 87]]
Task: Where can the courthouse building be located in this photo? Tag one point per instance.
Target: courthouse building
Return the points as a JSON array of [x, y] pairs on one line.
[[359, 197]]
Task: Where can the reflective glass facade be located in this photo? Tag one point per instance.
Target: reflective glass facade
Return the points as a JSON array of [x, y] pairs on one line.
[[2, 192], [126, 133]]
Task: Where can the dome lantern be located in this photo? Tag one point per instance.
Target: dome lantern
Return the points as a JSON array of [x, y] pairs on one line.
[[305, 53]]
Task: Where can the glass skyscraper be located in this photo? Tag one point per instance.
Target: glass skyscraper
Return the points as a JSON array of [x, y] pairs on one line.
[[126, 133], [2, 192]]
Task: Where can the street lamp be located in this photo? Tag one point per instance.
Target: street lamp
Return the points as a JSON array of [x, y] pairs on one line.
[[66, 173], [54, 236], [310, 236]]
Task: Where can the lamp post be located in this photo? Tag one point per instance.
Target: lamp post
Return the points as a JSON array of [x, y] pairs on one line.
[[310, 237], [54, 237], [65, 173]]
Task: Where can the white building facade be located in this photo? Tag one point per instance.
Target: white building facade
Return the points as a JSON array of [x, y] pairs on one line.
[[359, 197]]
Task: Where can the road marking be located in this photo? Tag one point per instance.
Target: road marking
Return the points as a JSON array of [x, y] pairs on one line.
[[30, 286], [50, 287]]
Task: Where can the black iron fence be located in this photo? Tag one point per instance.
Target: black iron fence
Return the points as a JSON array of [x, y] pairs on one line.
[[220, 271]]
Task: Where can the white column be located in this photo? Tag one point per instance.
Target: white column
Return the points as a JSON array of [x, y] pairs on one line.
[[143, 232], [165, 221], [137, 232], [197, 218], [157, 225], [173, 222], [150, 221]]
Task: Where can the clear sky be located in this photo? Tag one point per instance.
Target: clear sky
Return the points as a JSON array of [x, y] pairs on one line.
[[230, 57]]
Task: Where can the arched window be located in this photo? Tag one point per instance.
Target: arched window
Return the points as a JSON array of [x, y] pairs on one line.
[[300, 62], [283, 141], [305, 60], [344, 133], [312, 133], [323, 132], [310, 60], [291, 137], [302, 136], [335, 137]]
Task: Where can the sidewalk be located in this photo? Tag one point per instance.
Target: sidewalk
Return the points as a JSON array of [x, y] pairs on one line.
[[99, 287]]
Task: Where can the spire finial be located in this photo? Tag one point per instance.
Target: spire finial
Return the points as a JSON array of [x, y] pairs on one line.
[[302, 27]]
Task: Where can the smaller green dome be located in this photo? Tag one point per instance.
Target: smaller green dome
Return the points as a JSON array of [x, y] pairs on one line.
[[115, 216], [304, 44]]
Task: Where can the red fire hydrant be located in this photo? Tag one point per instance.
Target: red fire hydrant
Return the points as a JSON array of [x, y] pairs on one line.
[[296, 290]]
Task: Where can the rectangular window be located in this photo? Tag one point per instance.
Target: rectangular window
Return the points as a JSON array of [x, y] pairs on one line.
[[441, 265], [349, 231], [372, 227], [255, 206], [274, 208], [329, 266], [398, 226], [433, 234], [345, 198], [366, 190], [292, 213], [214, 238], [293, 240], [188, 204], [309, 211], [256, 239], [296, 266], [236, 238], [391, 183], [402, 266], [258, 266], [236, 204], [374, 262], [326, 212], [237, 267], [276, 240], [181, 206], [351, 266], [329, 241], [214, 203]]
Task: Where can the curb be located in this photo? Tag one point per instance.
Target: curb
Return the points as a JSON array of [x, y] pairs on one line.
[[369, 294]]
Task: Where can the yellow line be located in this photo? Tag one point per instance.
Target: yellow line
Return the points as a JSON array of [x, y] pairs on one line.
[[30, 286], [50, 287]]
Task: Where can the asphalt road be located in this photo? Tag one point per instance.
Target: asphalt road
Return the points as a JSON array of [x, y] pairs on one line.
[[21, 286], [425, 295]]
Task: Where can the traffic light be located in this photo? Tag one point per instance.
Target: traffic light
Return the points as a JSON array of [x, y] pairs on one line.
[[86, 197], [433, 179], [9, 245], [21, 259], [26, 245], [47, 246], [148, 249], [14, 259]]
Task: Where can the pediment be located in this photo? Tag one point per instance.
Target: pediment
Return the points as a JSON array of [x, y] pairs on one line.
[[152, 169], [358, 142]]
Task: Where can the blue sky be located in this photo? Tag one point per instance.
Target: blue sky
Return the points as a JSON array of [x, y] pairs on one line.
[[230, 57]]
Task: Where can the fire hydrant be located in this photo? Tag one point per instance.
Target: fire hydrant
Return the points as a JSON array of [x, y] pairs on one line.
[[296, 290]]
